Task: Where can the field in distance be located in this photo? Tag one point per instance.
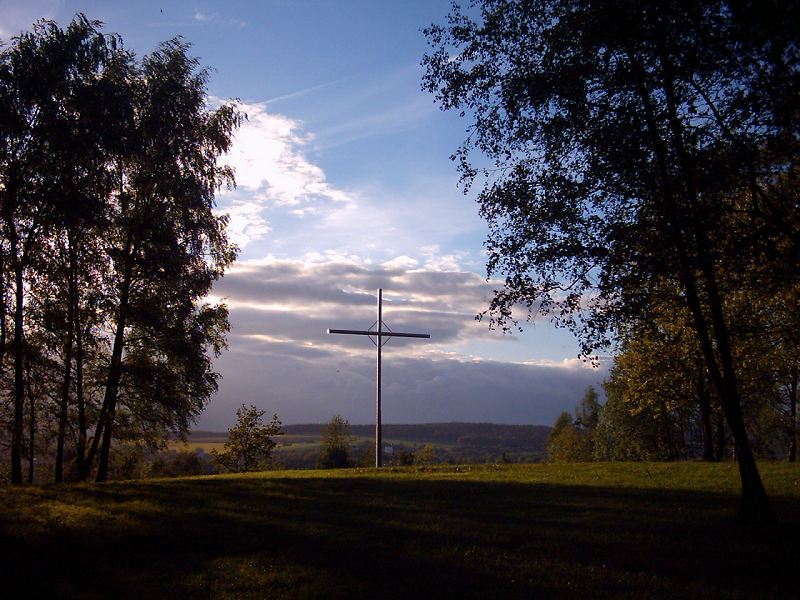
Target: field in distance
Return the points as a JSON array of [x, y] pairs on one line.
[[645, 530], [298, 446]]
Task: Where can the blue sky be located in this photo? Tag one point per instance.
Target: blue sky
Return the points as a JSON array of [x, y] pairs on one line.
[[345, 185]]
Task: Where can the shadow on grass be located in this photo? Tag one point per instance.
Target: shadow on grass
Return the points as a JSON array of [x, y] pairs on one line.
[[393, 538]]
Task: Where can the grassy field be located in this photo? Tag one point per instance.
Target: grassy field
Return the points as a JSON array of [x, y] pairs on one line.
[[569, 531]]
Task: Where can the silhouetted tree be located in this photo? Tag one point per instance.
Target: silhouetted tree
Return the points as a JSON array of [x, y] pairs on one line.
[[632, 143], [50, 83], [108, 237], [250, 441]]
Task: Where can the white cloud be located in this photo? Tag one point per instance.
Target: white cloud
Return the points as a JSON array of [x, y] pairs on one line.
[[208, 18], [268, 157], [272, 171], [246, 221], [401, 262]]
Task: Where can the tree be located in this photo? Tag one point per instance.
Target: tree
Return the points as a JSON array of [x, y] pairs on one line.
[[640, 154], [664, 401], [639, 421], [427, 455], [50, 84], [566, 443], [587, 413], [109, 241], [168, 245], [250, 441], [335, 444]]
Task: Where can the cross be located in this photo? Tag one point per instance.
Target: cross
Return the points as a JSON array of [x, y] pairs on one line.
[[379, 333]]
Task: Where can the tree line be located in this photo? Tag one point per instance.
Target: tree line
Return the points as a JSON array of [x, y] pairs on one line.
[[108, 245], [638, 165]]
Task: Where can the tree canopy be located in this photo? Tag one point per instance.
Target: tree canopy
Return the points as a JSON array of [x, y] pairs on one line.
[[641, 155], [109, 242], [250, 441]]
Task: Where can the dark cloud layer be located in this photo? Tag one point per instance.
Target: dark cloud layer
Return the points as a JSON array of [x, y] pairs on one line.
[[282, 360], [308, 388]]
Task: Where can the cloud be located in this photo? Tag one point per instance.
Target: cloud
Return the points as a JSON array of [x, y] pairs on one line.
[[305, 384], [400, 262], [272, 171], [208, 18], [281, 358], [310, 294]]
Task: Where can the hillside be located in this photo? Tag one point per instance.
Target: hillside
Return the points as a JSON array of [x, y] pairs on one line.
[[452, 442], [642, 530]]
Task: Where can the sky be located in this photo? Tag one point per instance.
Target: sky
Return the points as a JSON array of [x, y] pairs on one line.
[[345, 185]]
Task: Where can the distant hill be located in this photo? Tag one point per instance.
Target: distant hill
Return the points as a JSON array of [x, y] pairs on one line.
[[453, 442]]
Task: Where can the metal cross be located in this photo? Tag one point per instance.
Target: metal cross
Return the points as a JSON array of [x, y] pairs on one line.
[[379, 333]]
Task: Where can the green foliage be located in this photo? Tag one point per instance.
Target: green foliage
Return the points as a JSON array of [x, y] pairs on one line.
[[563, 421], [662, 405], [427, 455], [181, 464], [335, 444], [250, 441], [633, 159], [573, 440], [587, 413], [569, 445], [629, 435], [403, 457], [109, 242]]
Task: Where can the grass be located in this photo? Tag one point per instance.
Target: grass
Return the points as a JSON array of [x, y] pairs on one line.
[[569, 531]]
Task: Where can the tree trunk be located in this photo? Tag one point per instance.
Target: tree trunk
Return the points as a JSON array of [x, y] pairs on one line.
[[114, 374], [3, 331], [718, 355], [721, 436], [19, 384], [754, 506], [79, 400], [32, 420], [66, 382], [793, 413], [703, 398]]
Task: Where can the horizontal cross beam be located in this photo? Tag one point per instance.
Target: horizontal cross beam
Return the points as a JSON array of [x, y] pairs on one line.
[[381, 333]]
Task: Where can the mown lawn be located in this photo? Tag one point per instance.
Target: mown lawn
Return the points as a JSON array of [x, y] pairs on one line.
[[538, 531]]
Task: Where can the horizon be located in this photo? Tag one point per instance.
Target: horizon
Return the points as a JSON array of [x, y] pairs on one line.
[[191, 431]]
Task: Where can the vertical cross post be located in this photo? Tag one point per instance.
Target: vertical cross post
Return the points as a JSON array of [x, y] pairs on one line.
[[379, 334], [378, 423]]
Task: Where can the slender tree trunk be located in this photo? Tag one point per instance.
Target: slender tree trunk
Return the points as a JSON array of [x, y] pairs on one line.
[[114, 373], [754, 506], [704, 399], [721, 436], [3, 325], [79, 399], [32, 420], [793, 413], [66, 382], [19, 383]]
